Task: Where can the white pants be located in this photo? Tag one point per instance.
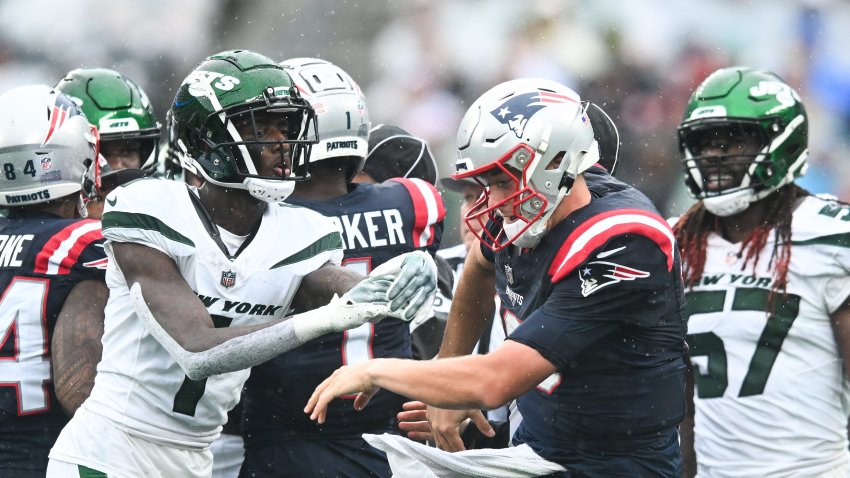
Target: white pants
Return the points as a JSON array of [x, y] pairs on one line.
[[97, 443], [228, 453]]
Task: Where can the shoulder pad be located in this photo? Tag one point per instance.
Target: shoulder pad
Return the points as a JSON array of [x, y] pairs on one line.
[[427, 206], [599, 229], [64, 248]]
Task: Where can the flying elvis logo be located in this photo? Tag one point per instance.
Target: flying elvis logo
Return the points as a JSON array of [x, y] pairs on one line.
[[202, 81], [598, 274], [517, 110]]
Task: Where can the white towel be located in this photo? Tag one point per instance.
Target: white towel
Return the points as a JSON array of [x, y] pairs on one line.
[[410, 459]]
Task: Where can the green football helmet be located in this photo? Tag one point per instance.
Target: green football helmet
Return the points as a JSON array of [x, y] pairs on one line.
[[229, 91], [118, 107], [744, 104]]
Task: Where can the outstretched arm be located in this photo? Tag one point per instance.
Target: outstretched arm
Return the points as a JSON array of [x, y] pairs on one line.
[[474, 381], [178, 320]]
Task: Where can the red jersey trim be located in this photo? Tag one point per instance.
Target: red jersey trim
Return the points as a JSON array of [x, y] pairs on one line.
[[599, 229], [428, 209], [62, 251]]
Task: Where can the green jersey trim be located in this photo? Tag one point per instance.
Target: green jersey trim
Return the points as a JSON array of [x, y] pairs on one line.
[[115, 219], [838, 240], [330, 242], [86, 472]]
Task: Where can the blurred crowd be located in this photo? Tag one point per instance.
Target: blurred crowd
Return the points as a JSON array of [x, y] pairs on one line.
[[422, 62]]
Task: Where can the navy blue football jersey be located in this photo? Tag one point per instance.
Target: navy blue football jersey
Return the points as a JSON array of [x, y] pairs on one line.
[[377, 222], [41, 259], [601, 298]]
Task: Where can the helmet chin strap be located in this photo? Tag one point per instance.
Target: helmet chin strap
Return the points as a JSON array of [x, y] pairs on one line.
[[729, 204], [269, 191]]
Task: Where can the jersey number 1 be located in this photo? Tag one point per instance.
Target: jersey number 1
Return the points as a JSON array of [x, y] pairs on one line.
[[357, 342]]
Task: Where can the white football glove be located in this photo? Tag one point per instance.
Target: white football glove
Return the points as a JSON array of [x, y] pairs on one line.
[[414, 283]]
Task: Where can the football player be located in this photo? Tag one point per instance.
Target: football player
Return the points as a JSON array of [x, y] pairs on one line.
[[51, 273], [129, 130], [201, 279], [394, 153], [377, 223], [591, 294], [414, 419], [767, 272]]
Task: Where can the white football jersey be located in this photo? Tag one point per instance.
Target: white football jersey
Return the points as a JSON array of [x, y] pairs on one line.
[[138, 385], [771, 397]]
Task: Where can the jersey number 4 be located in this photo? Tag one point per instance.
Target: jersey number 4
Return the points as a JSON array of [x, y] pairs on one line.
[[23, 325], [711, 376]]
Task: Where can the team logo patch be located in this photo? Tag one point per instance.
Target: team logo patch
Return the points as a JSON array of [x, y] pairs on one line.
[[516, 111], [509, 274], [598, 274], [228, 278]]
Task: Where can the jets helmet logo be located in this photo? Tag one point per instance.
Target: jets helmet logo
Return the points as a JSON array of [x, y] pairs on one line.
[[517, 110], [598, 274]]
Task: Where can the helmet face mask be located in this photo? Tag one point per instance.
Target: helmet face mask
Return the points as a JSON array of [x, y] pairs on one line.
[[235, 109], [744, 136], [538, 133], [340, 106], [120, 110]]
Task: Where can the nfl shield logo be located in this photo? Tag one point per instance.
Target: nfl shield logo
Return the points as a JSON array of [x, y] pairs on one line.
[[228, 278], [46, 163], [509, 274]]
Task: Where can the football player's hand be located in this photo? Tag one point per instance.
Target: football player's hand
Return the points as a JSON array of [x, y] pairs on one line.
[[412, 420], [414, 284], [447, 425], [345, 380]]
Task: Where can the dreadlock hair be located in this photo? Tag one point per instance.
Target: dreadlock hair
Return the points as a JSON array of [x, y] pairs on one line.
[[697, 223]]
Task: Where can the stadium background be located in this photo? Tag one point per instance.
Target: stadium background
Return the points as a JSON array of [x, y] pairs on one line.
[[422, 62]]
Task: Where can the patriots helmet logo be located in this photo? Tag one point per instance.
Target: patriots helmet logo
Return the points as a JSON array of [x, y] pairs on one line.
[[517, 110], [598, 274]]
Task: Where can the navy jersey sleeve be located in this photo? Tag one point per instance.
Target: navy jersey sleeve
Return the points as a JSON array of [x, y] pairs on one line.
[[624, 286]]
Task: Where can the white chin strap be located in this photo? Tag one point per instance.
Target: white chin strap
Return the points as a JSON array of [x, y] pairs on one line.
[[529, 238], [729, 204], [269, 190]]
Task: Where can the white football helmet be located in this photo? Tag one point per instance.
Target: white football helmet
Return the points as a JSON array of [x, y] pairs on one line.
[[340, 109], [45, 156], [520, 127]]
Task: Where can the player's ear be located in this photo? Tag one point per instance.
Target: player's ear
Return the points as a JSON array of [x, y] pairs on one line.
[[556, 161]]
